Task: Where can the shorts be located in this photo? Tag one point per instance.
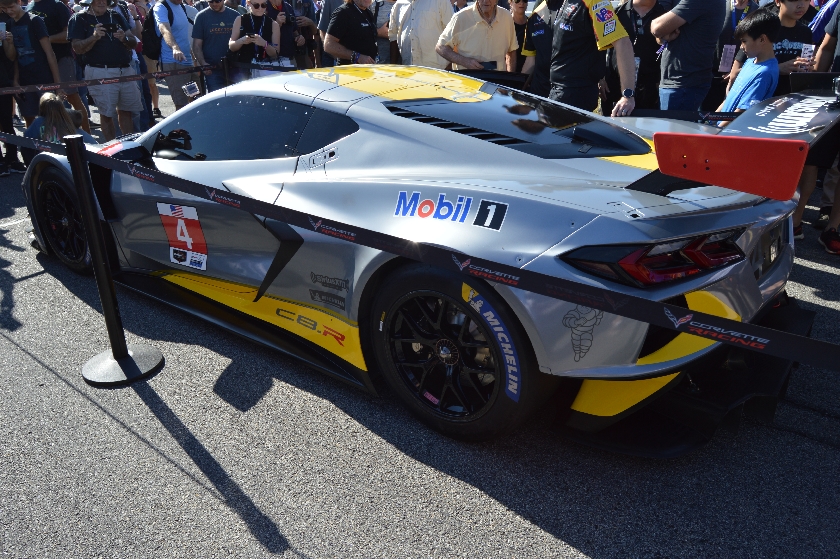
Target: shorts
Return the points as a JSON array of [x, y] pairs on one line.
[[174, 83], [67, 73], [28, 103], [123, 96]]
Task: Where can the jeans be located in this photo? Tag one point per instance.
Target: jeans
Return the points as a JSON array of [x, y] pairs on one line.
[[215, 81], [682, 98]]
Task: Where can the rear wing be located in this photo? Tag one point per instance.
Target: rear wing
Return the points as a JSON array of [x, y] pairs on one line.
[[762, 151]]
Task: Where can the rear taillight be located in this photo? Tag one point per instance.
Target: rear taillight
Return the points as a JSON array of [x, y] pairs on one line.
[[644, 265]]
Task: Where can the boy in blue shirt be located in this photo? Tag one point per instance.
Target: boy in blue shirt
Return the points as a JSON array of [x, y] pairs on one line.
[[760, 75]]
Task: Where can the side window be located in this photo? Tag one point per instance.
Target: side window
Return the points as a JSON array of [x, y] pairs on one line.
[[240, 127], [324, 128]]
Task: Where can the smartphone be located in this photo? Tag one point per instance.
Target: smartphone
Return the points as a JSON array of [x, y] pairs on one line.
[[2, 30], [490, 65], [110, 27], [191, 89]]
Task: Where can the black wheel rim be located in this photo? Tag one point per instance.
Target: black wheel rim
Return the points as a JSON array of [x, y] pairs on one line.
[[445, 358], [62, 221]]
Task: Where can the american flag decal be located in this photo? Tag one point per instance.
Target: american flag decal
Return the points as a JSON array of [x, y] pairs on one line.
[[177, 211]]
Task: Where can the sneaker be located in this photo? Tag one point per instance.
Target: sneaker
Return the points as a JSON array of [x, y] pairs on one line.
[[830, 240], [798, 234], [4, 170], [17, 167], [18, 122], [156, 113], [822, 220]]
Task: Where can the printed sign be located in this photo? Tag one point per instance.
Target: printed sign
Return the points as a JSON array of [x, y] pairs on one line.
[[187, 246]]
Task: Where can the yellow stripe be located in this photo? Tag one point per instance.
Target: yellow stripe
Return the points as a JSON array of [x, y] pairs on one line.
[[336, 334], [647, 161], [398, 83], [606, 398]]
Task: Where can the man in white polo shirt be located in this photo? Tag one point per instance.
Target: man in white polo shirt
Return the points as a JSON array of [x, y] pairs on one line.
[[481, 36]]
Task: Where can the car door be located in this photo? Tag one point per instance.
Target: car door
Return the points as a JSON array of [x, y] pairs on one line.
[[243, 144]]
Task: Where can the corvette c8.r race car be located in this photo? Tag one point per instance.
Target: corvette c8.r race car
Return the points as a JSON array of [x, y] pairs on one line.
[[447, 160]]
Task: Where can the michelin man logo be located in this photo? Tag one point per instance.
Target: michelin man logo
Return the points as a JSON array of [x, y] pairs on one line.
[[582, 321], [473, 303]]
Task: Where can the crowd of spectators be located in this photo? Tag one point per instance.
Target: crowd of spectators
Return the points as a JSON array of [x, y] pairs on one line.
[[598, 55]]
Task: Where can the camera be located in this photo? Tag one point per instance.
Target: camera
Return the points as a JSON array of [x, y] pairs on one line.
[[191, 89], [110, 27]]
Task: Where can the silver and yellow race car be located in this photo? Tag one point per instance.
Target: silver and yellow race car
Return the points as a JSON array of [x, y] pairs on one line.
[[450, 161]]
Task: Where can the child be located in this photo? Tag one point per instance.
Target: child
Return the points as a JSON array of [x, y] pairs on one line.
[[759, 77]]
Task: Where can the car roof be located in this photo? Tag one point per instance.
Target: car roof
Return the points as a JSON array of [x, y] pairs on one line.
[[388, 82]]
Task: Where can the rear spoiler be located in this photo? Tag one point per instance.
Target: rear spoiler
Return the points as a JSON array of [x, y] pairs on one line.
[[761, 152]]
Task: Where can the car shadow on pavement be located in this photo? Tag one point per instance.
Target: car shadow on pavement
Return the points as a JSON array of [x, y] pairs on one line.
[[761, 492]]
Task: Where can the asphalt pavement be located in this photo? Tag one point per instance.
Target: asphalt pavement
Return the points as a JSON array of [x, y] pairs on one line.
[[234, 450]]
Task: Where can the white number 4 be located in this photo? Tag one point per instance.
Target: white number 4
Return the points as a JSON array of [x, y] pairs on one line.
[[181, 233]]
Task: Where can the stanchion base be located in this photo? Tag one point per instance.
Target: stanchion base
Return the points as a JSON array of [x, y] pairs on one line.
[[104, 370]]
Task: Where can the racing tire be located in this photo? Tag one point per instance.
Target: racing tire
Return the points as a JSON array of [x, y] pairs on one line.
[[454, 353], [58, 214]]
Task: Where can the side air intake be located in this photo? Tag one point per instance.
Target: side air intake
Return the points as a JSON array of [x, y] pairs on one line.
[[491, 137]]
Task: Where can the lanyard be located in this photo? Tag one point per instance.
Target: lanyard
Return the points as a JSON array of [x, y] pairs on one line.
[[743, 15], [638, 24]]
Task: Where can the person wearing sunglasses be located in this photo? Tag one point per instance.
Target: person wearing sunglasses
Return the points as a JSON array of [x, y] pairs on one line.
[[351, 34], [255, 37], [636, 17], [520, 21], [211, 34]]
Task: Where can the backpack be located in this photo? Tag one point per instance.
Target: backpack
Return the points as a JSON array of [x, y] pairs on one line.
[[151, 38]]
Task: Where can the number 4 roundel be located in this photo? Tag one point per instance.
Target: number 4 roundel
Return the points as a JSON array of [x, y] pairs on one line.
[[182, 228]]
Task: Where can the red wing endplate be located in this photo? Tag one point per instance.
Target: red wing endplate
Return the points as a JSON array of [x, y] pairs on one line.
[[766, 167]]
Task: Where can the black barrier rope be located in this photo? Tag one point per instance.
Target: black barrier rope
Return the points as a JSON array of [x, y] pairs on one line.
[[45, 87], [738, 334]]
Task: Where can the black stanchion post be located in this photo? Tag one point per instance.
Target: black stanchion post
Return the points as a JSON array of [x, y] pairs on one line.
[[123, 363]]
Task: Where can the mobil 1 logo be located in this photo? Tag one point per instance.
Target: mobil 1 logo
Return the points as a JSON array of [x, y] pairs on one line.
[[491, 215]]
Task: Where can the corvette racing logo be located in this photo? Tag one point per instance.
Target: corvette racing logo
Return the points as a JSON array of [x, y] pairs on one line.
[[315, 225], [678, 321], [214, 195], [461, 265], [332, 231], [485, 273]]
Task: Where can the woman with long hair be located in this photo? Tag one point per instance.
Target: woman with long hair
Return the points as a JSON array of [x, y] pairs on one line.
[[52, 124], [255, 37]]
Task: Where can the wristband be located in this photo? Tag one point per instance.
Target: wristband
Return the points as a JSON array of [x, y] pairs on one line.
[[354, 58]]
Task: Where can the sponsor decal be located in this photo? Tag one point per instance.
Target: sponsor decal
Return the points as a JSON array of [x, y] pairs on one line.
[[311, 324], [137, 171], [796, 119], [332, 231], [214, 195], [332, 283], [42, 146], [725, 335], [604, 15], [601, 5], [678, 321], [50, 87], [609, 27], [582, 322], [327, 298], [486, 273], [431, 398], [443, 209], [513, 376], [187, 246], [490, 215]]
